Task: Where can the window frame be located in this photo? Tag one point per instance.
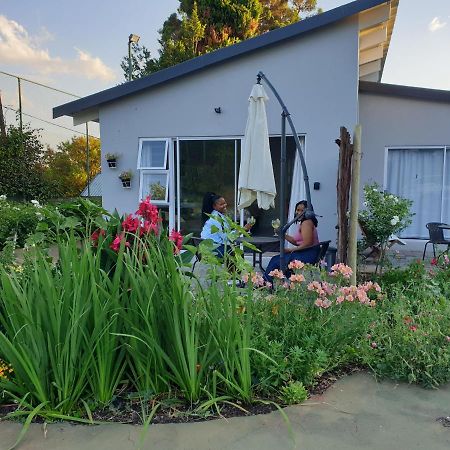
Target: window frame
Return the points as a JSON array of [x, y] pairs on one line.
[[144, 172], [166, 151]]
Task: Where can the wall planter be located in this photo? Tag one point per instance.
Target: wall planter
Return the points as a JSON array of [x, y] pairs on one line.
[[112, 163], [125, 178], [111, 159]]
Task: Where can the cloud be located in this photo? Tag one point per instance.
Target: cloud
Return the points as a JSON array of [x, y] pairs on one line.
[[436, 24], [18, 47]]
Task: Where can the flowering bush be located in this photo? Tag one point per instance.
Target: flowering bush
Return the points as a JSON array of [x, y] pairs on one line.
[[384, 214], [133, 231]]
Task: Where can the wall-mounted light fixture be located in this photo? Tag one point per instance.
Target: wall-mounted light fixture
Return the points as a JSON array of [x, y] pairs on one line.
[[218, 110]]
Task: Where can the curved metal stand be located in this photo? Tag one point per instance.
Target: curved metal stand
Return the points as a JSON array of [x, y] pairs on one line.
[[309, 213]]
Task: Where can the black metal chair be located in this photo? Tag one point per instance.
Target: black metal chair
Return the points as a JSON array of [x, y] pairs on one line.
[[436, 232]]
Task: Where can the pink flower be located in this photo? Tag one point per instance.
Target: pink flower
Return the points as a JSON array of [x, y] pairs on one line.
[[413, 328], [374, 345], [368, 336], [342, 269], [117, 241], [447, 338], [340, 299], [434, 262], [177, 239], [276, 274], [297, 278], [295, 264]]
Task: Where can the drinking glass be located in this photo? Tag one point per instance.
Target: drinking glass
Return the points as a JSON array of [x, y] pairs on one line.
[[275, 226]]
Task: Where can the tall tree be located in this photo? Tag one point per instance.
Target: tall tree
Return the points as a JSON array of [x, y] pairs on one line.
[[21, 165], [202, 26], [66, 167]]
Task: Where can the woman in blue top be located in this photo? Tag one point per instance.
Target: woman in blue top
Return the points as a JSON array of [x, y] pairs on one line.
[[215, 225]]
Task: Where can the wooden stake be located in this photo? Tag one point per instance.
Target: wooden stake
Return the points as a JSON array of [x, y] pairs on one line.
[[356, 172]]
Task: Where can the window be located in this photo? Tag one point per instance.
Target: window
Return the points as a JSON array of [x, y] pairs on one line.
[[421, 174], [152, 154], [154, 173]]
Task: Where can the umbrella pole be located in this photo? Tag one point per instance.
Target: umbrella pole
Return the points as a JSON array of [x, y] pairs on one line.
[[282, 190], [309, 213]]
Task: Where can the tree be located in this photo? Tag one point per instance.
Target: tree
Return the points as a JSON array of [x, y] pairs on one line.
[[202, 26], [21, 165], [66, 167]]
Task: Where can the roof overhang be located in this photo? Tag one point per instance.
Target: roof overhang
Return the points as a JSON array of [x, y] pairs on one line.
[[375, 31]]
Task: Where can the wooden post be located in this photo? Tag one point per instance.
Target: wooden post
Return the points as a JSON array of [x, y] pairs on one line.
[[356, 171], [344, 177]]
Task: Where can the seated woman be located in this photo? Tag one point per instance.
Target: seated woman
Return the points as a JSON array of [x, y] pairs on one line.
[[306, 236], [215, 225]]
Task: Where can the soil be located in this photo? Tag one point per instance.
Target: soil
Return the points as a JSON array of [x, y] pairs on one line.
[[122, 410]]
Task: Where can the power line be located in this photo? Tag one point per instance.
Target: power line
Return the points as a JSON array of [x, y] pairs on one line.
[[39, 84], [50, 123]]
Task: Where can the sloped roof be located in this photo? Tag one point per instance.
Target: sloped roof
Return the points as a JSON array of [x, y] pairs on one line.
[[89, 105], [95, 187], [395, 90]]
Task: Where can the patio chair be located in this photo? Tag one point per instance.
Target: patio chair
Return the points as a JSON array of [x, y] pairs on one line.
[[436, 233]]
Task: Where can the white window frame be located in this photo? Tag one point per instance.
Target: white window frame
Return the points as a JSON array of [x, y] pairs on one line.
[[141, 185], [141, 141]]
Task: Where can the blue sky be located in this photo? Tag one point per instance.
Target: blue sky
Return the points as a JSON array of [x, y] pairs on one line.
[[78, 46]]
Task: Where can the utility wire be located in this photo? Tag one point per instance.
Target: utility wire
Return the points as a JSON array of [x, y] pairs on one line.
[[39, 84], [50, 123]]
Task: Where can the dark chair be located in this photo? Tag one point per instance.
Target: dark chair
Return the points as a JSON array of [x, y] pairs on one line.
[[323, 248], [436, 237]]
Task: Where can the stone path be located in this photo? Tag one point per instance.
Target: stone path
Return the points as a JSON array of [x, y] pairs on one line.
[[356, 413]]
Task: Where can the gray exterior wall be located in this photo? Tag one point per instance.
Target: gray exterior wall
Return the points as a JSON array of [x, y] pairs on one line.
[[316, 75], [394, 121]]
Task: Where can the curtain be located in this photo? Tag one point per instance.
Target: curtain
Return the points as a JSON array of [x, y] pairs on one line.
[[417, 174], [297, 190]]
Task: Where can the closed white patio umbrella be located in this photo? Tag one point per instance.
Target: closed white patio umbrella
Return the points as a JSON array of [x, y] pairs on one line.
[[256, 180]]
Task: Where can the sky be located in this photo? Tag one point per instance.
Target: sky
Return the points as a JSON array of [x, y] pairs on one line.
[[77, 47]]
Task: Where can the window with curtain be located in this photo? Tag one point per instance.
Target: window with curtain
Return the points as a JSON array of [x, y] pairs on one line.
[[421, 174], [154, 173]]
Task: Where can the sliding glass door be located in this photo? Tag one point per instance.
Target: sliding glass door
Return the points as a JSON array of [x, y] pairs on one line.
[[205, 166]]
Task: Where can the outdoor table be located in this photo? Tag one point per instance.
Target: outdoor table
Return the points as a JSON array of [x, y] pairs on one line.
[[263, 244]]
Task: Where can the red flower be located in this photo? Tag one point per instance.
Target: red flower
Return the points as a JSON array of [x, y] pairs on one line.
[[148, 211], [117, 241], [177, 239], [95, 235], [149, 227], [131, 224], [434, 262]]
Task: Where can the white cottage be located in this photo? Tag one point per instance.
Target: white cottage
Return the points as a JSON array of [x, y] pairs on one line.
[[180, 130]]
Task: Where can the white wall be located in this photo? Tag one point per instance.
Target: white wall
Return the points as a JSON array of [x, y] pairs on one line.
[[315, 75], [394, 121]]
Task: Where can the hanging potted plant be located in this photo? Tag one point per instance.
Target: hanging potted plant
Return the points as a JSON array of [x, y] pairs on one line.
[[125, 177], [111, 159]]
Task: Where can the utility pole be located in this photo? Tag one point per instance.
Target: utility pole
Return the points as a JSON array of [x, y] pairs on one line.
[[2, 120], [88, 162], [20, 104]]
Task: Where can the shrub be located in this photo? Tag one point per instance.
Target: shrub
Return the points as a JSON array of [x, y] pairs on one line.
[[294, 393], [410, 338], [17, 221]]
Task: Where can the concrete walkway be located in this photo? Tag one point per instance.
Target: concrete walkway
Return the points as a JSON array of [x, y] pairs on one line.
[[356, 413]]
